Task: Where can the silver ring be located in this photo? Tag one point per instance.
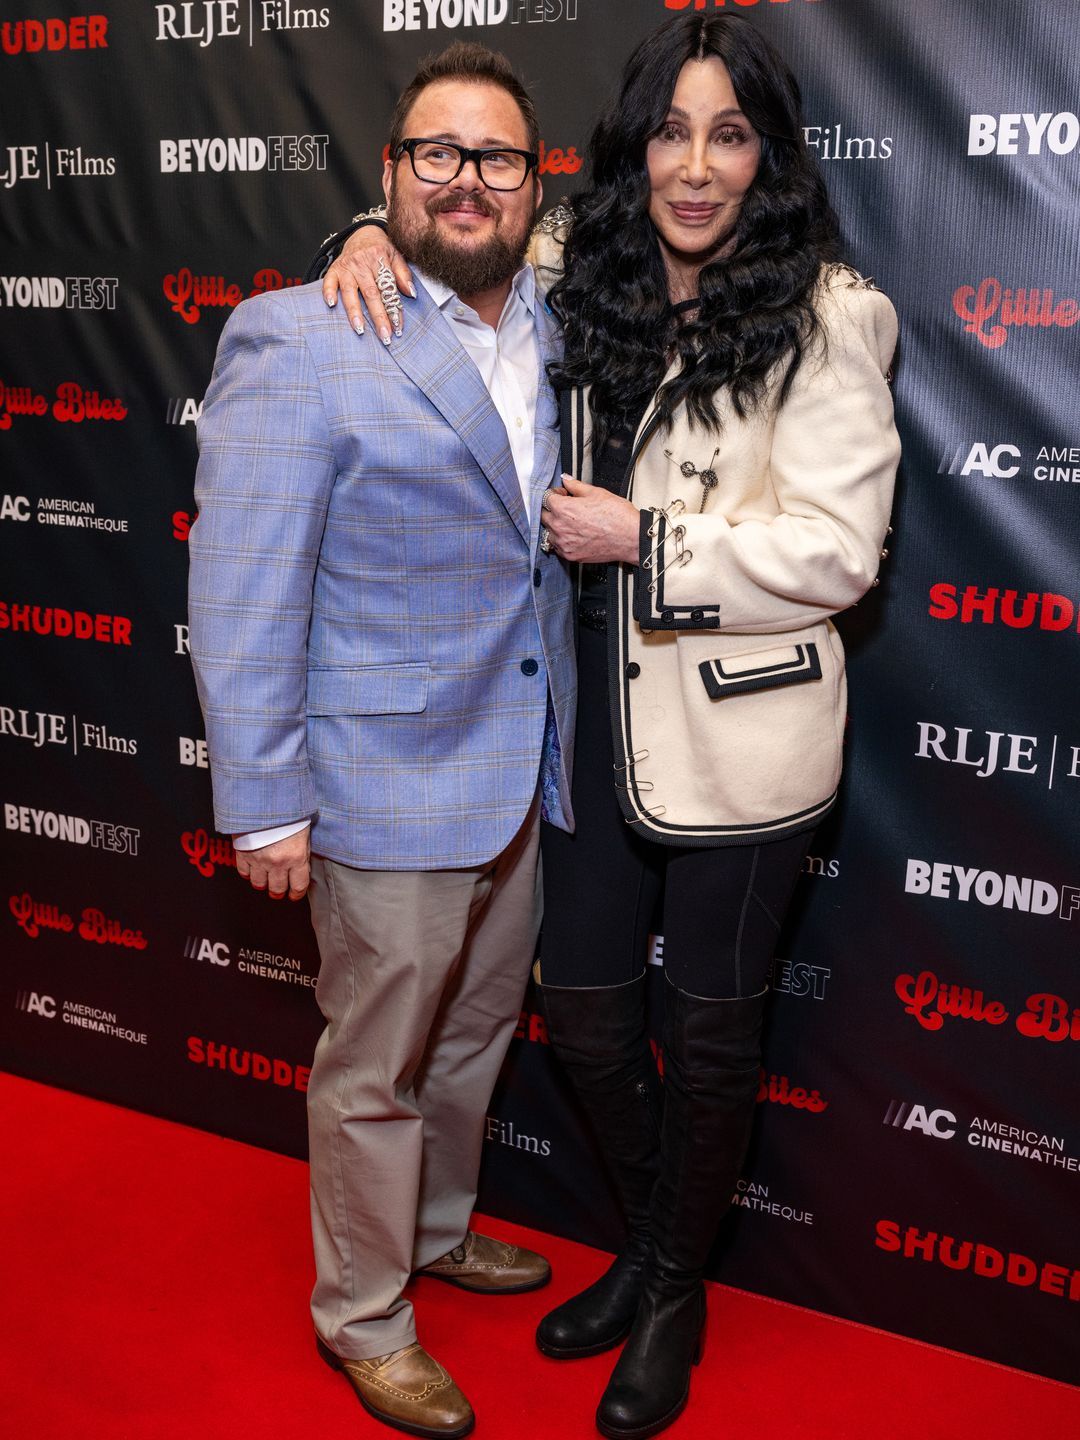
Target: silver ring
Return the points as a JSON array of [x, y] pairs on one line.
[[388, 291], [546, 542], [545, 500]]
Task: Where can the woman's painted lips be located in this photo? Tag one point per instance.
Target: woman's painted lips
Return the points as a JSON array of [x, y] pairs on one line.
[[694, 212]]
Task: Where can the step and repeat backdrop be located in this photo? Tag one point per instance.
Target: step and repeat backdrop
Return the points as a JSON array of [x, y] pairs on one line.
[[916, 1165]]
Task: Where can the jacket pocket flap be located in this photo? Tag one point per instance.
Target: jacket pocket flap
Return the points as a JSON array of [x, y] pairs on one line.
[[368, 690], [762, 670]]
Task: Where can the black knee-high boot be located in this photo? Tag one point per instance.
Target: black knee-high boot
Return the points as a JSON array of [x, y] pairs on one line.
[[712, 1052], [599, 1035]]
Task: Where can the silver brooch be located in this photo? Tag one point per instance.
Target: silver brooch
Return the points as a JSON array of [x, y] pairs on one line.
[[708, 477]]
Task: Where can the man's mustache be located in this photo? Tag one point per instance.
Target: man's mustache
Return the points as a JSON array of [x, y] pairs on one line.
[[478, 203]]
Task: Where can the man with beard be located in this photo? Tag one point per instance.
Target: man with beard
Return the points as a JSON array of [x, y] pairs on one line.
[[384, 658]]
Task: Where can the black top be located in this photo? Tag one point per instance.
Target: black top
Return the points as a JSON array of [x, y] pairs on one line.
[[609, 470]]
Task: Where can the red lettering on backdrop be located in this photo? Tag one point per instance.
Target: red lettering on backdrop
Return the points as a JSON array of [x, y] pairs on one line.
[[976, 305], [720, 4], [80, 32], [33, 916], [206, 852], [1046, 609], [74, 404], [559, 162], [265, 281], [1045, 1017], [778, 1090], [531, 1027], [551, 162], [182, 522], [19, 400], [983, 1260], [48, 620], [247, 1063], [189, 295], [97, 927], [930, 1001]]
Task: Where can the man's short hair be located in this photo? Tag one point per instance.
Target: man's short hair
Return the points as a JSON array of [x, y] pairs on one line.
[[476, 64]]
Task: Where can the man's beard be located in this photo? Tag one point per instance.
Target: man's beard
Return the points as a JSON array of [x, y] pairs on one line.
[[467, 269]]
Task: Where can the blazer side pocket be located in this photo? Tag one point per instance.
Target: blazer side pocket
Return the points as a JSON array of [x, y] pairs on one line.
[[761, 670], [368, 690]]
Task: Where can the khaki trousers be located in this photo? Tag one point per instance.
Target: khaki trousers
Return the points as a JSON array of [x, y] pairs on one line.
[[421, 984]]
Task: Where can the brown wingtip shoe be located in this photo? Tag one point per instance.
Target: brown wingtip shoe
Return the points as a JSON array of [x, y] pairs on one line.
[[407, 1389], [490, 1267]]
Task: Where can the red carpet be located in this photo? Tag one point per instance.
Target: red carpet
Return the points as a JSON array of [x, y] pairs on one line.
[[155, 1285]]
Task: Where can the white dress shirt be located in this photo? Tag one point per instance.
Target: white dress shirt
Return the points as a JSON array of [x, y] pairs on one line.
[[508, 360]]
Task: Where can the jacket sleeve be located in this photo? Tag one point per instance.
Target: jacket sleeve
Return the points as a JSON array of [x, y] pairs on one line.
[[333, 245], [545, 252], [265, 476], [834, 453]]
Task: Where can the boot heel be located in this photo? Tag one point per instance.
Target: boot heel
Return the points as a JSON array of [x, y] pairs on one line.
[[334, 1361], [699, 1348]]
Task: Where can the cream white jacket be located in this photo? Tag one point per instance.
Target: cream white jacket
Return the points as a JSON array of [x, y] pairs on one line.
[[727, 685]]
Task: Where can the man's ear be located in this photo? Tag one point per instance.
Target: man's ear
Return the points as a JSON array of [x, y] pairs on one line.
[[387, 179]]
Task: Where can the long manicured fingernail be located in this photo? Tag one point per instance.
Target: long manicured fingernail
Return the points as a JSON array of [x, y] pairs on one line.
[[384, 336], [358, 326], [399, 330], [331, 301], [410, 289]]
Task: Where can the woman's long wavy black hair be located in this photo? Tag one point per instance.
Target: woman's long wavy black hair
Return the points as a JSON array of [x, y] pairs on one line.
[[756, 306]]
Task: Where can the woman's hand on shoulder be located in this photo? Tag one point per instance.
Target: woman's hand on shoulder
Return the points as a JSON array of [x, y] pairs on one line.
[[355, 274]]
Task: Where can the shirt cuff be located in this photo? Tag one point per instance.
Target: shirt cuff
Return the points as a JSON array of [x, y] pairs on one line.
[[256, 839]]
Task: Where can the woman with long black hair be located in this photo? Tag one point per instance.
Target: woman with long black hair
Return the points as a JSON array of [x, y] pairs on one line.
[[734, 455]]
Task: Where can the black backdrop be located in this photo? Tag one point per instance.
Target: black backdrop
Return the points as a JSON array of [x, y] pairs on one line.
[[918, 1150]]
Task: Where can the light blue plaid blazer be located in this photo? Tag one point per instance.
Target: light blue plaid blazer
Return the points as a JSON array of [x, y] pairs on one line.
[[373, 629]]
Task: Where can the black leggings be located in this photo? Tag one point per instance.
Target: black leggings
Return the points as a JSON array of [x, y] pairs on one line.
[[722, 907]]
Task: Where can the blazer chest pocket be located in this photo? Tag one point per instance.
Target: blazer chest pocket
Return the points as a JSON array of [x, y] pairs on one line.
[[760, 670], [368, 690]]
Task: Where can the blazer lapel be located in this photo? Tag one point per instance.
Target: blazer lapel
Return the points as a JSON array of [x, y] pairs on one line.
[[434, 361]]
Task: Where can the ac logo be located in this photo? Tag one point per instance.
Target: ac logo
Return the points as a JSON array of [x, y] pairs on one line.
[[34, 1004], [183, 410], [214, 951], [902, 1116], [998, 462], [14, 507]]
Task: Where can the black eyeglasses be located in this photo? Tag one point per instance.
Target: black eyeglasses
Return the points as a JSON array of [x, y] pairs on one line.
[[439, 161]]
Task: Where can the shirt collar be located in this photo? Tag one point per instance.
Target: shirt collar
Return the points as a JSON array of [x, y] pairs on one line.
[[523, 287]]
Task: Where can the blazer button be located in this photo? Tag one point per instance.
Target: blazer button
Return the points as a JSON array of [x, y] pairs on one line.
[[632, 671], [667, 616], [529, 667], [697, 614], [537, 577]]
